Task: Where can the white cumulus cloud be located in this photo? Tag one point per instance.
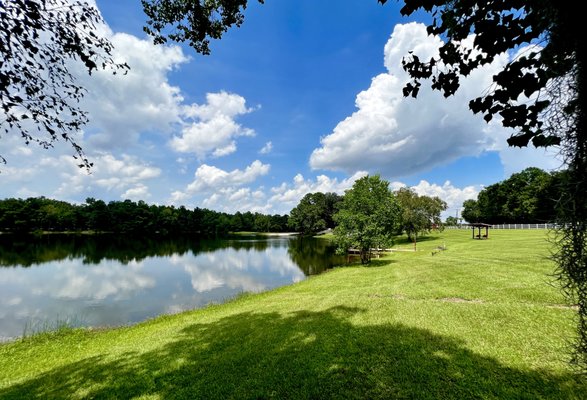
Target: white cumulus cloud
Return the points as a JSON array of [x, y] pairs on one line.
[[209, 178], [213, 129], [452, 195], [122, 107], [399, 136], [59, 177], [287, 196], [225, 189], [136, 193]]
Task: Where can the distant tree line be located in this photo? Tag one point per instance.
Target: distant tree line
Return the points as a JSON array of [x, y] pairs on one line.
[[315, 212], [530, 196], [42, 214]]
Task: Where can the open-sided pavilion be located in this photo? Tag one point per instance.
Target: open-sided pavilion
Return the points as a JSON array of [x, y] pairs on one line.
[[479, 226]]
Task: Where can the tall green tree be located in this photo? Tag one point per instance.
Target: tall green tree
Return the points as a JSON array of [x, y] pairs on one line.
[[419, 214], [368, 216], [519, 199], [97, 215], [471, 211]]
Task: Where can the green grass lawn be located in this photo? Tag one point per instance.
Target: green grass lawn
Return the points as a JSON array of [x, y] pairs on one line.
[[478, 320]]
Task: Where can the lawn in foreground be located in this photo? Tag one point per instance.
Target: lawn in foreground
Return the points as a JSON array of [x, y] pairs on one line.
[[479, 320]]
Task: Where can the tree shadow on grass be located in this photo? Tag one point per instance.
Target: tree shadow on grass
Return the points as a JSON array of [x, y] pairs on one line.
[[355, 261], [378, 262], [299, 355]]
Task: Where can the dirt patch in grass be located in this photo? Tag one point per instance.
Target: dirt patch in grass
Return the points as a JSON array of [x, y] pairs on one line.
[[564, 307], [459, 300]]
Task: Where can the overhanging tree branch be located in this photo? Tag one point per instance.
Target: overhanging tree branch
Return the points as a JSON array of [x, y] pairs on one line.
[[39, 95]]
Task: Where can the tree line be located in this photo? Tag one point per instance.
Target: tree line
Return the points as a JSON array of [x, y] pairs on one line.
[[530, 196], [411, 213], [42, 214]]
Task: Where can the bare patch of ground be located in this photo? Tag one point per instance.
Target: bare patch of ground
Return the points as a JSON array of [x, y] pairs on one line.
[[459, 300]]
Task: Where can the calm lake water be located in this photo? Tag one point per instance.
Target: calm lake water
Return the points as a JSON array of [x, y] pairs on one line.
[[114, 280]]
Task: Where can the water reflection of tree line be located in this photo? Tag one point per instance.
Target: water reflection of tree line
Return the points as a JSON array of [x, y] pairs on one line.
[[311, 255], [92, 249]]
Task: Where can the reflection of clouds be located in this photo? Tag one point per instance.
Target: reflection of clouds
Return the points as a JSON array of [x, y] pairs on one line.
[[10, 276], [244, 269], [174, 309], [228, 260], [280, 263], [203, 281], [205, 278], [14, 301], [110, 294], [98, 282], [106, 279], [105, 294]]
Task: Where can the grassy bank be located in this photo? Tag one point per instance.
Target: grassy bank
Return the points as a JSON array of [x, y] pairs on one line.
[[478, 320]]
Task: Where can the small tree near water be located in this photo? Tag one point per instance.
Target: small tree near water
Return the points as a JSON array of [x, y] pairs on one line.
[[367, 217]]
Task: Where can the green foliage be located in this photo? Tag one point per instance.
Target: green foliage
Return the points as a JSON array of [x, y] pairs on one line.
[[39, 40], [194, 21], [314, 213], [471, 211], [419, 214], [451, 221], [571, 253], [41, 214], [529, 196], [540, 74], [367, 217]]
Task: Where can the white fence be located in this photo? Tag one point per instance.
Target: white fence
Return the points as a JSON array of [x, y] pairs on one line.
[[523, 226], [509, 226]]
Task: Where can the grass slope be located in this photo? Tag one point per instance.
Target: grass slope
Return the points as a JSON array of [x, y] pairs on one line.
[[479, 320]]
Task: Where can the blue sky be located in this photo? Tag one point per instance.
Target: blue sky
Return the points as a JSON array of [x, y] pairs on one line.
[[304, 97]]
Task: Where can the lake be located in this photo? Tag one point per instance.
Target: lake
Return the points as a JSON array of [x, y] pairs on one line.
[[108, 280]]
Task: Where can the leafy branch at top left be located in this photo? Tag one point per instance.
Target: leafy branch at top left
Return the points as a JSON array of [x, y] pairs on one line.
[[39, 95]]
